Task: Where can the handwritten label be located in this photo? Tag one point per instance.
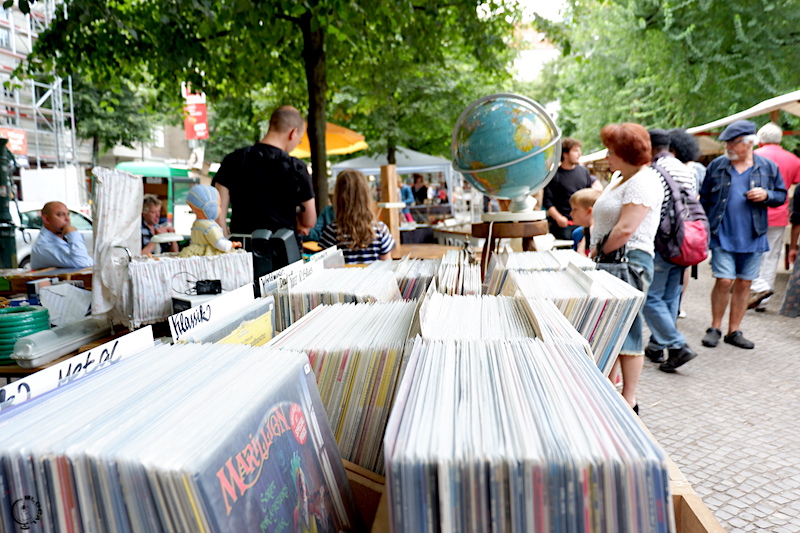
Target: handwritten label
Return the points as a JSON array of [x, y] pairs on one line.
[[288, 276], [184, 325], [76, 367]]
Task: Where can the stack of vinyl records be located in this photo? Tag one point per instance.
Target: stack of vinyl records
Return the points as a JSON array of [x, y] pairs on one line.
[[473, 317], [599, 305], [414, 276], [356, 353], [502, 264], [459, 273], [178, 438], [518, 435], [331, 286], [443, 317]]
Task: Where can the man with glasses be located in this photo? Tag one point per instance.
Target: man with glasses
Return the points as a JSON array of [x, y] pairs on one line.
[[738, 188]]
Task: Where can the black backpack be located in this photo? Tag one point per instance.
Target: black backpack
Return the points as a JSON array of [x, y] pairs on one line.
[[683, 233]]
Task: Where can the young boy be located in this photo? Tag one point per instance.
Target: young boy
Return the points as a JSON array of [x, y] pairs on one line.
[[582, 203]]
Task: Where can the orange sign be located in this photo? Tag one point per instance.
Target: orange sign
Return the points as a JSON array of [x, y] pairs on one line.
[[17, 140]]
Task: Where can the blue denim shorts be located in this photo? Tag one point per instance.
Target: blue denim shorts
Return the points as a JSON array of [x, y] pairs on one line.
[[732, 265], [633, 341]]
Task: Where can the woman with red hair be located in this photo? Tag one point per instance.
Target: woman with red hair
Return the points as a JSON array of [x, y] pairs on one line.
[[627, 214]]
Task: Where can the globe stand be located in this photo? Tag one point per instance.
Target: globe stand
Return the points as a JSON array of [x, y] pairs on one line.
[[494, 231], [520, 210]]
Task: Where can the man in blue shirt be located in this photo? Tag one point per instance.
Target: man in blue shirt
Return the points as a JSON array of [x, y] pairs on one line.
[[738, 188], [59, 244]]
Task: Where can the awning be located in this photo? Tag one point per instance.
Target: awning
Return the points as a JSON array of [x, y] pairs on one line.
[[338, 141], [153, 169], [789, 102]]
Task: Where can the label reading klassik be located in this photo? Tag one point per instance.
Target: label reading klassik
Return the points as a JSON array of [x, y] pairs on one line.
[[192, 320], [76, 367]]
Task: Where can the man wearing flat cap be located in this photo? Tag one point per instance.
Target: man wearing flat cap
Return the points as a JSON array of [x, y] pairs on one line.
[[738, 188]]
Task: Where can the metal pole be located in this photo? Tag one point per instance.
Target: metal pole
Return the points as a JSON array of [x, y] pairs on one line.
[[8, 245]]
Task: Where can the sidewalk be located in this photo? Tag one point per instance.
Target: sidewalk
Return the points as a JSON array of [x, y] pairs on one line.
[[729, 418]]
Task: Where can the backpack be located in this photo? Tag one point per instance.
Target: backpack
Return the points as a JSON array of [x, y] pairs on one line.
[[683, 233]]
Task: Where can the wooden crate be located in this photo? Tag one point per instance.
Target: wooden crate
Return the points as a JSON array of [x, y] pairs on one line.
[[17, 283]]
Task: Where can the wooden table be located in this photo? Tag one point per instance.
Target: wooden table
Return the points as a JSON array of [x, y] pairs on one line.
[[506, 230], [421, 251]]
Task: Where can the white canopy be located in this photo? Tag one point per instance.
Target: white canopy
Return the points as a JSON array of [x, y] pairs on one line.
[[789, 102], [408, 161]]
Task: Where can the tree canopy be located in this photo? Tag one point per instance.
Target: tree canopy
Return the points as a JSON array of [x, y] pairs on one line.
[[670, 64], [231, 48]]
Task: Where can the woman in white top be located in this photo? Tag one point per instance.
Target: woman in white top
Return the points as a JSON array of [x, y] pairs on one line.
[[629, 212]]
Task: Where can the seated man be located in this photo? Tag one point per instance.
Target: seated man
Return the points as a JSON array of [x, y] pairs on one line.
[[151, 215], [59, 244]]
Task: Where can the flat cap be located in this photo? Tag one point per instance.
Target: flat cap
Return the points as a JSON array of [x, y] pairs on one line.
[[737, 129]]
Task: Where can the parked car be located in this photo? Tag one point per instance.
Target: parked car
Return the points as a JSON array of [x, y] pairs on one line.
[[27, 217]]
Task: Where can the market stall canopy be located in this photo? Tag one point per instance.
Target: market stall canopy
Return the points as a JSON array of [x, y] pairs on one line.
[[789, 102], [338, 141], [407, 162], [153, 169]]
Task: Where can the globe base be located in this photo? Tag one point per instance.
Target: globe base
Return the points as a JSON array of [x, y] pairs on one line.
[[508, 216]]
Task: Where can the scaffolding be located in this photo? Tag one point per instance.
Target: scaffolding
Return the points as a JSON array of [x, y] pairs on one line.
[[43, 110]]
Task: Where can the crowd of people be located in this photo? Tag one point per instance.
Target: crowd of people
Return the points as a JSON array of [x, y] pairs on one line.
[[744, 196]]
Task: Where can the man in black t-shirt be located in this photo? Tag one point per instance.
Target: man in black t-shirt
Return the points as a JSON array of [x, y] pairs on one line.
[[264, 185], [570, 178]]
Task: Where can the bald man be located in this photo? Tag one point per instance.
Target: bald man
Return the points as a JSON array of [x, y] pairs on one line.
[[265, 186], [59, 244]]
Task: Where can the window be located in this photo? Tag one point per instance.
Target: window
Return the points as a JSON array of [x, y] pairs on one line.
[[80, 222], [158, 137], [5, 38]]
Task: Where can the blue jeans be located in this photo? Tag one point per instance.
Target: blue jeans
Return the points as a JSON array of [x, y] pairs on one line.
[[661, 307], [633, 341]]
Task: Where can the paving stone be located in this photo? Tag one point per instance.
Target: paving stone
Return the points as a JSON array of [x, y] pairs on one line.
[[738, 446]]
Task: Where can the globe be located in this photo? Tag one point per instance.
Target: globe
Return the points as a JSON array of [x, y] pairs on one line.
[[506, 146]]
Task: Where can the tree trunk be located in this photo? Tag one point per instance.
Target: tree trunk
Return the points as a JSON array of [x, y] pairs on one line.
[[95, 150], [314, 60]]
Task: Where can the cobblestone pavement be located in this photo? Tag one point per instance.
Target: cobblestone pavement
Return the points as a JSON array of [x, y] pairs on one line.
[[729, 418]]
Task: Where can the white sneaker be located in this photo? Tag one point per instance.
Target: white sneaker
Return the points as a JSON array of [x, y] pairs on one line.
[[681, 313]]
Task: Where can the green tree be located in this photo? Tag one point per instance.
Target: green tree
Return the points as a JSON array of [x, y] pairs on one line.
[[666, 64], [109, 118], [231, 47]]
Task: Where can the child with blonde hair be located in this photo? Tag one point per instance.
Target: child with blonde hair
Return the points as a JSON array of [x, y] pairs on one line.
[[582, 203], [356, 232]]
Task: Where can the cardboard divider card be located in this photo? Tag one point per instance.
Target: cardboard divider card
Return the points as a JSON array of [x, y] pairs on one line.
[[76, 367], [289, 275], [209, 313]]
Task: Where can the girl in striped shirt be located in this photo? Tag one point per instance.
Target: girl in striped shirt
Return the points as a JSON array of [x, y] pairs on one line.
[[356, 232]]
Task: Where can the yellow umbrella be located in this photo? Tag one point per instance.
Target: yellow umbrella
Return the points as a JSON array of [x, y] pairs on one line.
[[338, 141]]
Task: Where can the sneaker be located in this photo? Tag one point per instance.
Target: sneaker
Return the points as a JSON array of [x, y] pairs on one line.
[[712, 337], [656, 355], [757, 297], [681, 313], [677, 357], [737, 339]]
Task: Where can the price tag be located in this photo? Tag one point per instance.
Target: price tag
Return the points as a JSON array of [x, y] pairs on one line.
[[76, 367]]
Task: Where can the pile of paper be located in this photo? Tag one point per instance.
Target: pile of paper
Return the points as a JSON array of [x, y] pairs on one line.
[[518, 435], [356, 352], [178, 438], [600, 306], [459, 273]]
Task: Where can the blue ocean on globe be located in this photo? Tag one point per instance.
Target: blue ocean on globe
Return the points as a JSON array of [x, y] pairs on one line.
[[500, 131]]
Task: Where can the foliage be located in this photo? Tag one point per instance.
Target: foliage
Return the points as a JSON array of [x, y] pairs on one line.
[[667, 64], [230, 48], [109, 118]]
